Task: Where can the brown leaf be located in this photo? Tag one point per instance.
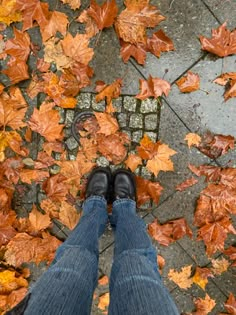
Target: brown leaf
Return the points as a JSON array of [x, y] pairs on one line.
[[137, 51], [9, 281], [15, 297], [9, 13], [103, 280], [132, 22], [91, 27], [147, 190], [189, 83], [230, 304], [229, 80], [33, 10], [12, 140], [159, 42], [19, 46], [38, 221], [147, 149], [133, 161], [83, 74], [56, 188], [201, 276], [161, 160], [25, 248], [183, 278], [108, 92], [219, 265], [57, 22], [231, 253], [68, 215], [192, 139], [170, 231], [7, 232], [50, 208], [186, 184], [103, 15], [17, 71], [45, 121], [69, 83], [222, 43], [212, 173], [107, 123], [28, 176], [154, 87], [74, 4], [214, 235], [160, 262], [204, 306], [77, 48]]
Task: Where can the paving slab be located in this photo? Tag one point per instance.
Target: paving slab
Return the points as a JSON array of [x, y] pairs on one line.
[[206, 109], [226, 281], [185, 21], [172, 131], [224, 11]]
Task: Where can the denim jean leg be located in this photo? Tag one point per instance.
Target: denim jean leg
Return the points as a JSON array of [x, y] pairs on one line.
[[66, 288], [135, 284]]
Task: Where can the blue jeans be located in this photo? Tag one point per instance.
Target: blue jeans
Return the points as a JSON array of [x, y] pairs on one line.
[[136, 287]]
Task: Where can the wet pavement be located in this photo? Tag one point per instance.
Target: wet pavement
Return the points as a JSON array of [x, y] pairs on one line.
[[178, 115]]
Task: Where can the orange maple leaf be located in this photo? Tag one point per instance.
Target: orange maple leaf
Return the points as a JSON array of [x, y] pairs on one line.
[[204, 306], [38, 221], [182, 278], [187, 183], [230, 305], [189, 83], [57, 22], [91, 27], [103, 15], [108, 92], [159, 42], [154, 87], [147, 190], [74, 4], [137, 51], [228, 79], [192, 139], [107, 123], [133, 161], [68, 215], [219, 265], [222, 43], [45, 121]]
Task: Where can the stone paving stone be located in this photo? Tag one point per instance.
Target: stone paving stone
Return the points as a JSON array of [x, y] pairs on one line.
[[172, 132], [117, 104], [185, 21], [84, 101], [70, 114], [99, 107], [71, 143], [136, 121], [108, 65], [137, 136], [148, 106], [223, 10], [130, 103], [201, 110], [151, 122]]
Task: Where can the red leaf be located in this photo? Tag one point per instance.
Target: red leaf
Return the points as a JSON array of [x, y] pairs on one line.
[[159, 42], [186, 184], [147, 190], [189, 83]]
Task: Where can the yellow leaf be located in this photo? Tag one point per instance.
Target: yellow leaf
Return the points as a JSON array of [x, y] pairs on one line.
[[9, 282], [68, 215], [104, 301], [201, 277], [192, 139], [182, 278], [8, 13], [38, 221]]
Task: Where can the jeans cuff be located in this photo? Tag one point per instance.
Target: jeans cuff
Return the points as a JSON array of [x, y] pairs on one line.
[[94, 198]]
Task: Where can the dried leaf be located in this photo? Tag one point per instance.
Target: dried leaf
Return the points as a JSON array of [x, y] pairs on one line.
[[45, 121], [38, 221], [17, 71], [14, 298], [77, 48], [104, 301], [201, 276], [230, 304], [10, 282], [28, 176], [55, 188], [57, 22], [103, 15], [231, 253], [192, 139], [91, 27], [153, 87], [170, 231], [74, 4], [222, 43], [147, 190], [229, 80], [212, 173], [204, 306], [160, 262], [189, 83], [25, 248], [68, 215], [147, 149], [7, 232], [159, 42], [50, 208], [103, 280], [108, 92], [8, 12], [133, 161], [137, 51], [183, 278], [219, 265], [107, 123], [186, 184], [161, 160]]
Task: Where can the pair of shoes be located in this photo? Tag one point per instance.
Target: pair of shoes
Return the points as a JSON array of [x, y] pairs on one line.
[[102, 182]]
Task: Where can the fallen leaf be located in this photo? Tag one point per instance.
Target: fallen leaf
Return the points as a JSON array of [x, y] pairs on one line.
[[154, 87], [8, 12], [147, 149], [28, 176], [137, 51], [183, 278], [50, 208], [68, 215], [19, 46], [231, 253], [212, 173], [74, 4], [133, 161], [14, 298], [161, 160], [103, 15], [38, 221], [103, 280], [169, 232], [25, 248], [91, 27], [204, 306], [230, 304], [108, 92], [222, 43], [17, 71], [219, 265], [201, 276], [192, 139], [107, 123], [147, 190], [10, 282], [83, 74], [229, 80], [159, 42], [7, 232], [77, 48], [189, 83], [186, 184], [55, 188], [45, 121], [104, 301], [57, 22], [160, 262]]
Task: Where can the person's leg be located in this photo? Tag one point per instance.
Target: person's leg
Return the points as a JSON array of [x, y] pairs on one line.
[[67, 287], [135, 284]]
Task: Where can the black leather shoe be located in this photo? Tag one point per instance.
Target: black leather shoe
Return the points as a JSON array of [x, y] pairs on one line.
[[99, 183], [124, 185]]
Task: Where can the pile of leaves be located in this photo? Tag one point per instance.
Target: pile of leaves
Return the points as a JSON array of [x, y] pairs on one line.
[[28, 238]]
